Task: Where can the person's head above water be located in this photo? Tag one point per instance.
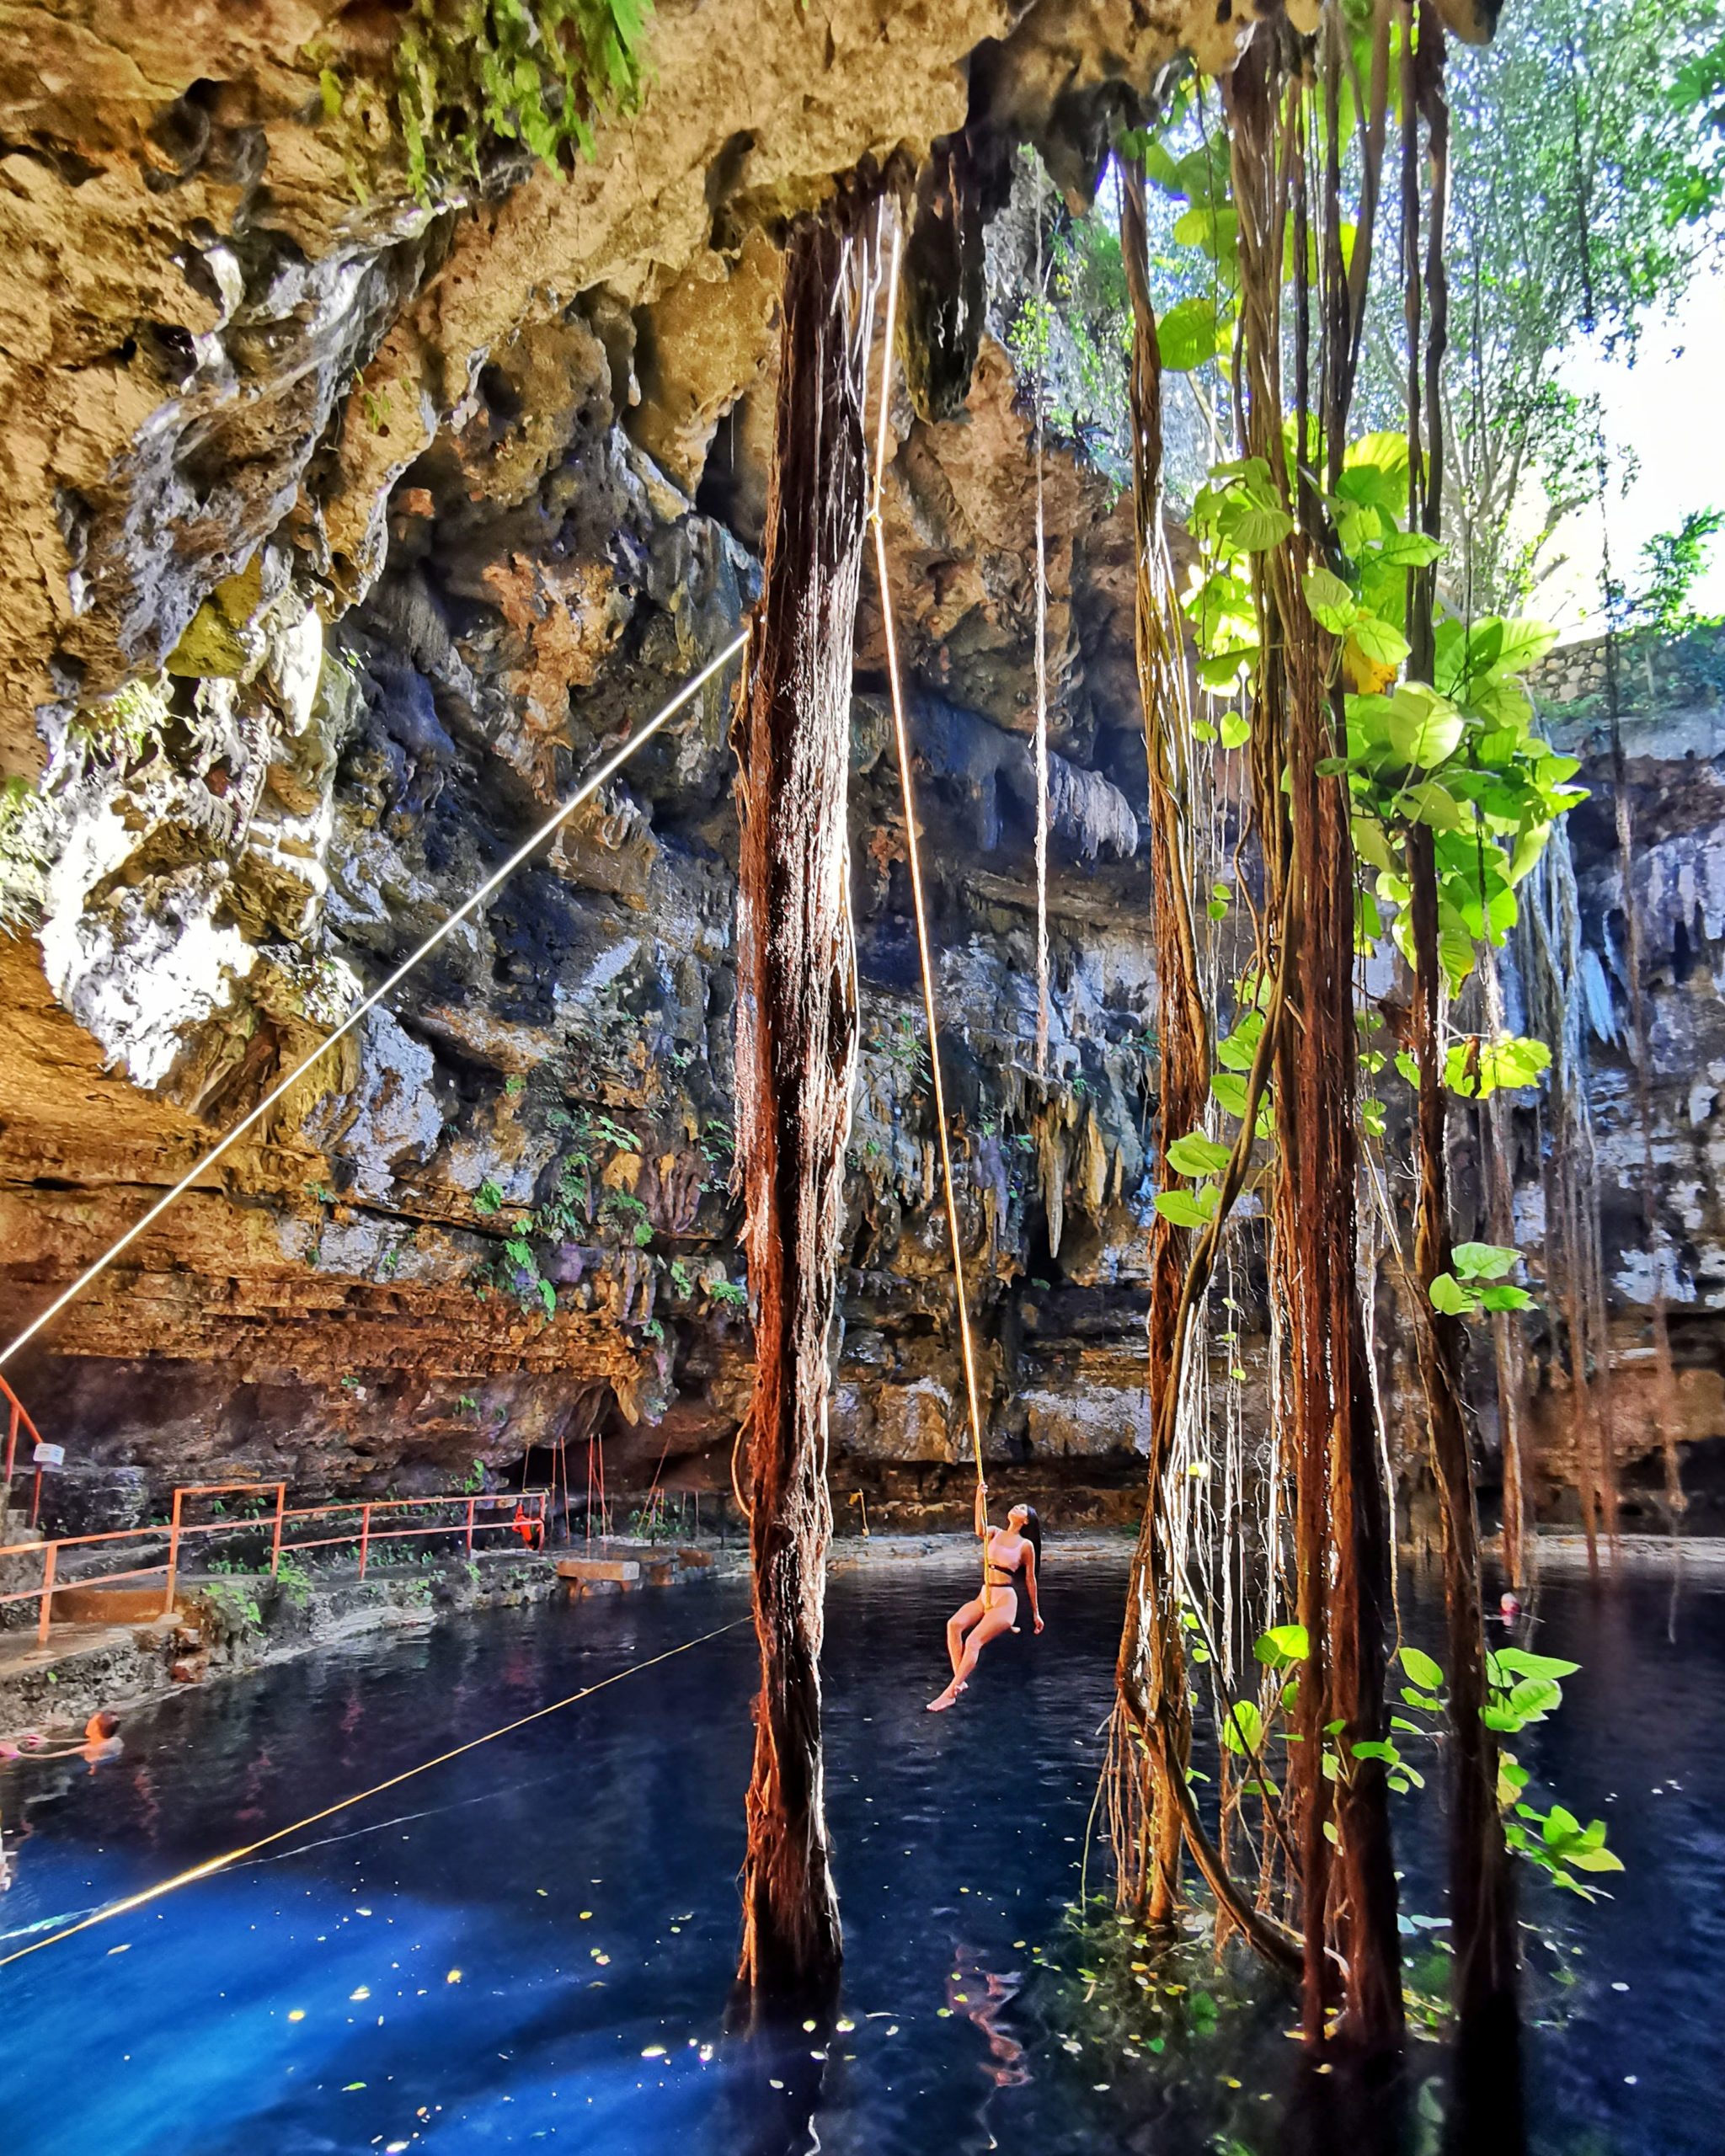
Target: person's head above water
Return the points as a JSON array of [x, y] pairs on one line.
[[1023, 1520]]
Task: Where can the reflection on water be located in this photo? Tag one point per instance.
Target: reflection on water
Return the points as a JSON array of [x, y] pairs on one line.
[[535, 1943]]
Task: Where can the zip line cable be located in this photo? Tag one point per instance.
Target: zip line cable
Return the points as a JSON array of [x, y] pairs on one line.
[[901, 736], [585, 792], [211, 1866]]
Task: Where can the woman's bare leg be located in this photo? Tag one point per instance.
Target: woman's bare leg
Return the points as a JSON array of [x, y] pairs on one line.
[[957, 1624], [992, 1623]]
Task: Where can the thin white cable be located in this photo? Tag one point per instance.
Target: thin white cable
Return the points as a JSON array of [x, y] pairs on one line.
[[585, 792]]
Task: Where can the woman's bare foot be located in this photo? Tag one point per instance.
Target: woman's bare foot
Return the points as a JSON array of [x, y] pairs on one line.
[[947, 1698]]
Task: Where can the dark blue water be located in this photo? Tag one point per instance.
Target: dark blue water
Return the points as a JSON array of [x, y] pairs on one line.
[[534, 1943]]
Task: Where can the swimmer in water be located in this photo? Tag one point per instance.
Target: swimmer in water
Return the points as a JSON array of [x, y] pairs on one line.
[[1009, 1556]]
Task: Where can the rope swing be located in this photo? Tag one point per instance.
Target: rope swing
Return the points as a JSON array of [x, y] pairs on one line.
[[901, 738]]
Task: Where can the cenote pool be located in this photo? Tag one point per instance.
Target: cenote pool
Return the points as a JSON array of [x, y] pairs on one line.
[[534, 1943]]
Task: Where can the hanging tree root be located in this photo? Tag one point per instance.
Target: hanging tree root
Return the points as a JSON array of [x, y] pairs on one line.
[[796, 1056], [1482, 1897], [1144, 1780]]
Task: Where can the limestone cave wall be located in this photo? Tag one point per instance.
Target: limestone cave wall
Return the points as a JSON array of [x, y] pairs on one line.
[[347, 529]]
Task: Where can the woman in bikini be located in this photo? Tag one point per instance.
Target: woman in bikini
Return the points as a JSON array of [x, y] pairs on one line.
[[1009, 1556]]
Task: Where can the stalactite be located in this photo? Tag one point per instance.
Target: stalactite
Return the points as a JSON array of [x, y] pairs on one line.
[[1042, 965], [1666, 1411], [796, 1056], [1550, 946]]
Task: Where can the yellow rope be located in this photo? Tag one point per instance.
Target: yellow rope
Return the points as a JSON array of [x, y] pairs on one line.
[[210, 1865], [901, 737]]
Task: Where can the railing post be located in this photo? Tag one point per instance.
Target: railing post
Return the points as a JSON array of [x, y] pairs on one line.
[[470, 1526], [275, 1539], [50, 1557], [172, 1556], [364, 1536]]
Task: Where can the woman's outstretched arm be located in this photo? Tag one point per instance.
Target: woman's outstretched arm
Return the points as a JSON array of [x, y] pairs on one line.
[[982, 1508]]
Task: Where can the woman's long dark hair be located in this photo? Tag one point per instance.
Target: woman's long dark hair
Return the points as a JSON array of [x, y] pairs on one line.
[[1033, 1533]]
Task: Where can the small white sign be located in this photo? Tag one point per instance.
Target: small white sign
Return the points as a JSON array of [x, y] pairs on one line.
[[50, 1456]]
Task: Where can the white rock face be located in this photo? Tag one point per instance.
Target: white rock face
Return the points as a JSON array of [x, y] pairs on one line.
[[389, 1121]]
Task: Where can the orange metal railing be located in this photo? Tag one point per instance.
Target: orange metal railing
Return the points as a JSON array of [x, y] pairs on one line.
[[19, 1417], [273, 1519]]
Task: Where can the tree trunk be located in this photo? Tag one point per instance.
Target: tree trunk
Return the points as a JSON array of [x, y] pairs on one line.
[[796, 1056]]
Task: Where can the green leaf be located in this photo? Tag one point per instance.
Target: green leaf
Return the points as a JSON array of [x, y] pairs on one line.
[[1196, 1155], [1331, 604], [1222, 670], [1229, 1089], [1255, 526], [1432, 803], [1183, 1209], [1186, 335], [1282, 1645], [1475, 1069], [1410, 550], [1560, 1827], [1379, 641], [1238, 1050], [1420, 1667], [1525, 1664], [1534, 1697], [1372, 843], [1242, 1731], [1505, 1296], [1237, 731], [1484, 1261], [1524, 643], [1421, 726], [1380, 456], [1373, 1748], [1449, 1295]]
